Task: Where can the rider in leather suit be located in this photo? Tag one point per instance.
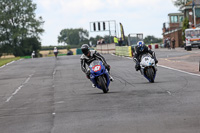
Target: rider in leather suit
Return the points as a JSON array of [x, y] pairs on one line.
[[140, 50], [88, 56]]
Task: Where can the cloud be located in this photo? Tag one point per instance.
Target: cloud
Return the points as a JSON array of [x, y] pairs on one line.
[[146, 16]]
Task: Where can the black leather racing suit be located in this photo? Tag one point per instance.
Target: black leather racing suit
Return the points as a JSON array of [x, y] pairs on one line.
[[138, 55], [94, 55]]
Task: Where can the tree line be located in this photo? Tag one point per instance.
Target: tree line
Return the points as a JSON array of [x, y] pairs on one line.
[[19, 27], [20, 30], [77, 37]]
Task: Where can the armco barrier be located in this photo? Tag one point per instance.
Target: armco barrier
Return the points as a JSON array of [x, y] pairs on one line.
[[106, 48], [123, 51]]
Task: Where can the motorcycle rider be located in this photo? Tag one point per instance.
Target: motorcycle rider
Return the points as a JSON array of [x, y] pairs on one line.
[[88, 56], [55, 51], [141, 49]]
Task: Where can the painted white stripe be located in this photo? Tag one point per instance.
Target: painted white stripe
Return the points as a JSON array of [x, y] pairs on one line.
[[2, 66], [169, 92], [54, 73], [10, 63], [179, 70], [19, 88]]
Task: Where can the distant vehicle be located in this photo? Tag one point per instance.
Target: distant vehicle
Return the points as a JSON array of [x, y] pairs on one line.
[[69, 52], [192, 38]]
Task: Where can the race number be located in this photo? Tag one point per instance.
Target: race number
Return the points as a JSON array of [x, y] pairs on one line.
[[96, 68]]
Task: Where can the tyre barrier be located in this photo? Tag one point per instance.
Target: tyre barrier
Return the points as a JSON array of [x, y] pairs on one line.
[[153, 46], [106, 48]]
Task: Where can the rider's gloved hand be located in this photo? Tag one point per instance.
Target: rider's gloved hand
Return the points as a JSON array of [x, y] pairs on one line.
[[135, 59], [107, 67], [156, 61]]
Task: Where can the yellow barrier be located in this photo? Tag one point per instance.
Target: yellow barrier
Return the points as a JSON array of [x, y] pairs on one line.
[[123, 51]]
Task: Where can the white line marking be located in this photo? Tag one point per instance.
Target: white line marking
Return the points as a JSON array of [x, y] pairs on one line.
[[54, 73], [129, 58], [10, 63], [169, 92], [2, 66], [19, 88], [179, 70]]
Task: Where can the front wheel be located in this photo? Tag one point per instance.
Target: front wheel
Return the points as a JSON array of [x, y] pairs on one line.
[[102, 83], [150, 74], [188, 48]]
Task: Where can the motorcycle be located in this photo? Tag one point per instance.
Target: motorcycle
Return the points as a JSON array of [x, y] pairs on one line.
[[148, 67], [99, 75]]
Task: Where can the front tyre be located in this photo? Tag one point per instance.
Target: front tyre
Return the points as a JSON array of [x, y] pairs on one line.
[[150, 74], [102, 83]]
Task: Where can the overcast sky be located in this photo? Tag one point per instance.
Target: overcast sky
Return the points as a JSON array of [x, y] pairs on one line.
[[136, 16]]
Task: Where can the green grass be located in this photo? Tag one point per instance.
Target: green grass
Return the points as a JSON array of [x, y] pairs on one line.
[[62, 54], [7, 60], [26, 57], [51, 55]]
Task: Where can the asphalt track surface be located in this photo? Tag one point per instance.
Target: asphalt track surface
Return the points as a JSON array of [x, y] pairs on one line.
[[49, 95]]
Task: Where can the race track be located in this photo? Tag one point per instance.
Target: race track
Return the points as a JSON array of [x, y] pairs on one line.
[[48, 95]]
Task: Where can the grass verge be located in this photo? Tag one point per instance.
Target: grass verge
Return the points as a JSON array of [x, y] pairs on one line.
[[7, 60]]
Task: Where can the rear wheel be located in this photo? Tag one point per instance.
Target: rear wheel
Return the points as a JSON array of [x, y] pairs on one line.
[[102, 83]]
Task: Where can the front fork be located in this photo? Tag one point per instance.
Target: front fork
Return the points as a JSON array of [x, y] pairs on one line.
[[93, 79]]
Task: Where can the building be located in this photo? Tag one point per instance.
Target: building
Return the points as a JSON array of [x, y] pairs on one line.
[[174, 28], [188, 12]]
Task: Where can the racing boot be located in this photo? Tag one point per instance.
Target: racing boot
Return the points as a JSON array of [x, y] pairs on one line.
[[111, 78], [137, 67], [93, 85]]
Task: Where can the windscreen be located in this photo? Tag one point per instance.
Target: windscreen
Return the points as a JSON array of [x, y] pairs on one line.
[[192, 33], [94, 63]]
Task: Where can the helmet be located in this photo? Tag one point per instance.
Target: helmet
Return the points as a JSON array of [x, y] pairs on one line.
[[55, 48], [141, 45], [85, 49]]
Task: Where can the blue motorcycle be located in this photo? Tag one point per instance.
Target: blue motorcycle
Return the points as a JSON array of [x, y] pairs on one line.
[[99, 75]]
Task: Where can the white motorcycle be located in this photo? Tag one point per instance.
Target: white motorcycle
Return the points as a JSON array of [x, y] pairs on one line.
[[148, 67]]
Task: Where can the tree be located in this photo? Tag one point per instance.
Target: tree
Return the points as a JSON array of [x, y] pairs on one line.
[[180, 3], [152, 39], [30, 45], [18, 23], [73, 36], [185, 26]]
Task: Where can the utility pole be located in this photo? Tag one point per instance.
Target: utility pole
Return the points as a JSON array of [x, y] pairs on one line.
[[194, 17]]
